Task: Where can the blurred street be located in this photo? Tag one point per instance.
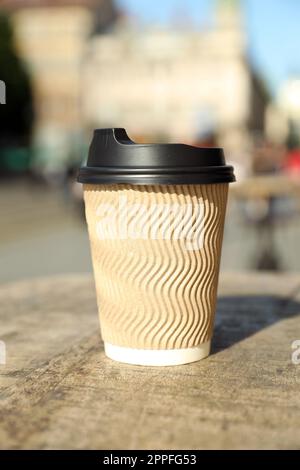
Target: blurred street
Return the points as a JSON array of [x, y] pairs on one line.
[[44, 233]]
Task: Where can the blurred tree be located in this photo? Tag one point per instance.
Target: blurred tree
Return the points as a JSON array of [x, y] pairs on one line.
[[293, 138], [16, 116], [105, 15]]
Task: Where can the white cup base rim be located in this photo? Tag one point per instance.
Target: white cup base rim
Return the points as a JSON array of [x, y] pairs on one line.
[[157, 357]]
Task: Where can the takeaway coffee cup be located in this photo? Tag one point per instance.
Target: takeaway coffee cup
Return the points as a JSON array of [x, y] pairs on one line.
[[155, 217]]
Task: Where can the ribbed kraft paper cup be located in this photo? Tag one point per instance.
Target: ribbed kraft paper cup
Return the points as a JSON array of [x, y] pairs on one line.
[[156, 252]]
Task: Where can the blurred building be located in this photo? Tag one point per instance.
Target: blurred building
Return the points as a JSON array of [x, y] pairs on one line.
[[289, 98], [277, 123], [181, 84], [90, 70], [289, 101], [283, 114], [51, 37]]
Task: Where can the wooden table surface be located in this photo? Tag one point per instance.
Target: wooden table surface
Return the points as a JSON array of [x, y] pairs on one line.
[[58, 390]]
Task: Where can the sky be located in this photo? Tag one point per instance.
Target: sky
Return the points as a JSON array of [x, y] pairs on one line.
[[272, 28]]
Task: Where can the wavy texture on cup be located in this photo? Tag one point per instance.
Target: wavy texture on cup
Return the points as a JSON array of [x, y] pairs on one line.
[[155, 293]]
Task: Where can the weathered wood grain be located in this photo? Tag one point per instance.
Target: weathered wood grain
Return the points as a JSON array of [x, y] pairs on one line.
[[58, 390]]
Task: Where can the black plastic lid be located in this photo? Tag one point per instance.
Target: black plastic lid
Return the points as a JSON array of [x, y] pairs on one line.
[[114, 158]]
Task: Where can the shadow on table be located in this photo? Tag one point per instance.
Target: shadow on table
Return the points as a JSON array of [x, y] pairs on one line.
[[239, 317]]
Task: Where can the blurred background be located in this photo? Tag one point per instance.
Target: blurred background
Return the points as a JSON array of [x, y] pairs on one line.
[[211, 73]]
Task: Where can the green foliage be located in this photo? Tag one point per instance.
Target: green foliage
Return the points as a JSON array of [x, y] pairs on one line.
[[16, 116], [293, 138]]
